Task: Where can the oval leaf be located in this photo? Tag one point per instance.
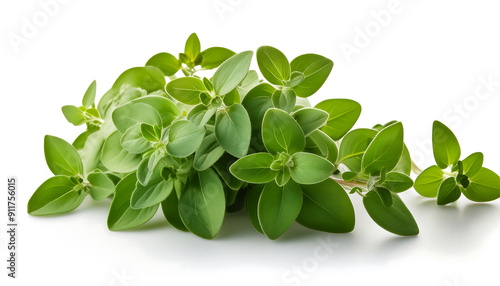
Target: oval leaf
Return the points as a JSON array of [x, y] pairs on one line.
[[186, 89], [281, 133], [116, 158], [342, 115], [385, 150], [445, 145], [484, 186], [310, 168], [428, 182], [233, 130], [254, 168], [231, 72], [57, 195], [273, 65], [62, 158], [316, 70]]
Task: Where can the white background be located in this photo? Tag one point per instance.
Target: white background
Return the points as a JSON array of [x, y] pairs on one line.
[[424, 62]]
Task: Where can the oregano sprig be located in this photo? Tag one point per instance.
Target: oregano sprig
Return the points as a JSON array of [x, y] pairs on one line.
[[200, 146]]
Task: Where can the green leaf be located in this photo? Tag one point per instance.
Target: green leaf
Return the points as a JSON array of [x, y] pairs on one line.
[[121, 215], [326, 207], [81, 139], [92, 150], [115, 158], [231, 72], [89, 97], [62, 158], [353, 147], [445, 145], [396, 219], [385, 196], [281, 133], [448, 192], [310, 168], [202, 205], [250, 81], [428, 182], [295, 79], [133, 141], [192, 48], [233, 130], [472, 164], [150, 133], [316, 70], [284, 99], [273, 65], [321, 144], [215, 56], [222, 167], [73, 114], [257, 101], [186, 89], [279, 207], [209, 152], [154, 192], [254, 168], [310, 119], [148, 78], [170, 208], [484, 186], [184, 138], [166, 62], [167, 110], [342, 115], [201, 114], [232, 97], [59, 194], [133, 113], [385, 150], [283, 177], [252, 203], [101, 186], [397, 182], [404, 164]]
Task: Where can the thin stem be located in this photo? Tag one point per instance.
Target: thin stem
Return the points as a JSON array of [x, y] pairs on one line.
[[415, 169], [349, 184]]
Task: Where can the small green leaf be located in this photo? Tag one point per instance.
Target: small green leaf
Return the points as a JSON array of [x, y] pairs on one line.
[[404, 164], [326, 207], [222, 167], [396, 219], [133, 141], [214, 57], [257, 101], [166, 62], [385, 196], [115, 158], [101, 186], [133, 113], [445, 145], [62, 158], [254, 168], [281, 133], [342, 115], [150, 133], [192, 48], [284, 99], [89, 97], [148, 78], [310, 119], [283, 177], [353, 147], [186, 89], [167, 110], [279, 207], [201, 114], [231, 72], [316, 70], [59, 194], [321, 144], [73, 114], [184, 138], [209, 152], [233, 130], [250, 81], [428, 182], [202, 205], [397, 182], [484, 186], [170, 208], [472, 164], [154, 192], [385, 150], [448, 192], [273, 65], [310, 168], [252, 203], [295, 79], [121, 215]]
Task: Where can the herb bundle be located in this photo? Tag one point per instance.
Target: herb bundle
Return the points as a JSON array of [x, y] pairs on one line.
[[200, 147]]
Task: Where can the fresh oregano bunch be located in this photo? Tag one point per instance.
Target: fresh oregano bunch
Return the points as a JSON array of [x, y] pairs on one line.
[[200, 146]]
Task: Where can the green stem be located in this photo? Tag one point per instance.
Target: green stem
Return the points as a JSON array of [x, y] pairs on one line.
[[415, 169]]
